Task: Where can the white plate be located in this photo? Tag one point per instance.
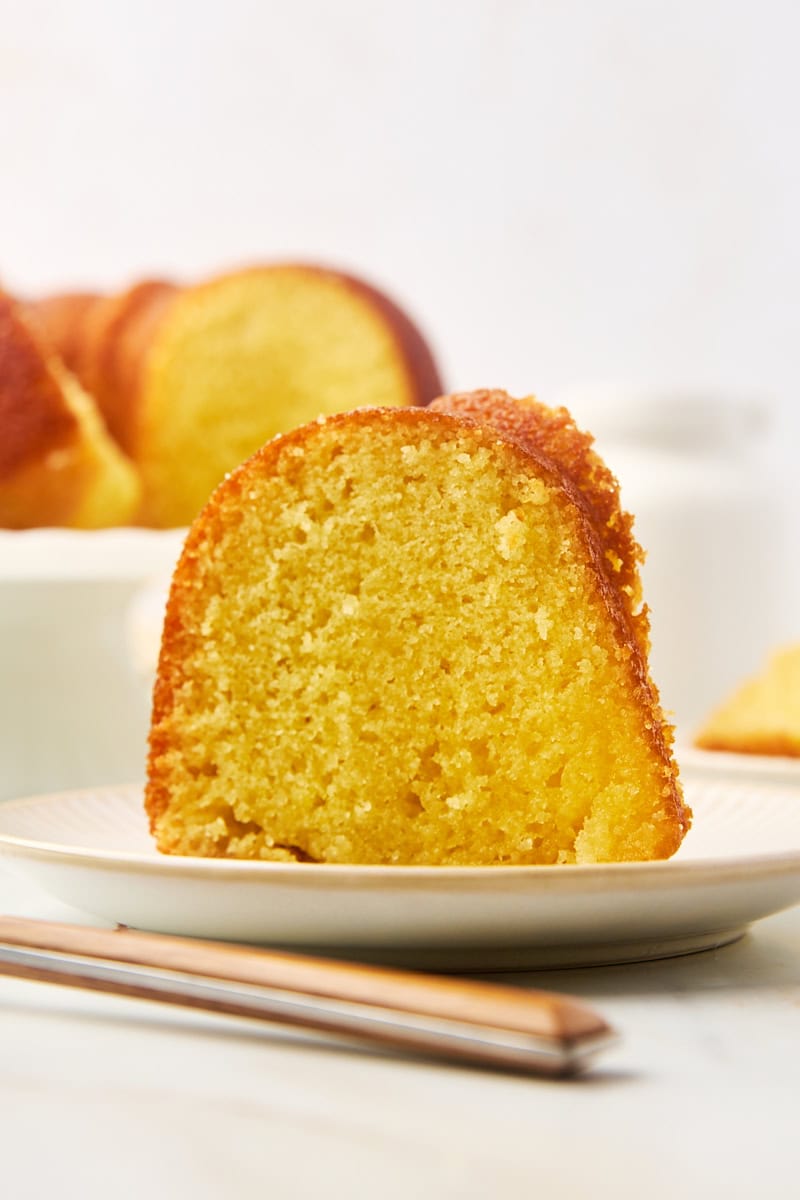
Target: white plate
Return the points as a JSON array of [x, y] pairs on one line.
[[87, 554], [740, 862], [767, 768]]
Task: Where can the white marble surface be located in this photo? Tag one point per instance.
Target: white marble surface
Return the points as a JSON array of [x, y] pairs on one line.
[[104, 1096]]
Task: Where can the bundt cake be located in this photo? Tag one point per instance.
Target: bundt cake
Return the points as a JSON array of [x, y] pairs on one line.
[[763, 715], [58, 465], [412, 636]]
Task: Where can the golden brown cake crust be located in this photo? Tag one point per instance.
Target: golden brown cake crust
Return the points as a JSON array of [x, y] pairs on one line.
[[468, 411], [128, 336], [58, 465], [62, 318], [42, 422], [552, 434], [116, 337]]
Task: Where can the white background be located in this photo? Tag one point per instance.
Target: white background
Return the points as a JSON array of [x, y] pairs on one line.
[[565, 192]]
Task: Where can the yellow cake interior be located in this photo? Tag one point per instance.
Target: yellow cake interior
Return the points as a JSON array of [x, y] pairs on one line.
[[391, 647]]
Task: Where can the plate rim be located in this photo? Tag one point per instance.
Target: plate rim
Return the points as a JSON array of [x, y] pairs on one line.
[[587, 876], [772, 767], [60, 554]]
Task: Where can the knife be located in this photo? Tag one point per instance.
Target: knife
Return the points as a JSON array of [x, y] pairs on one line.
[[466, 1021]]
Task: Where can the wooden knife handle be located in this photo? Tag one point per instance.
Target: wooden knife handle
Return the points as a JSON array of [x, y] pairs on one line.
[[363, 1001]]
